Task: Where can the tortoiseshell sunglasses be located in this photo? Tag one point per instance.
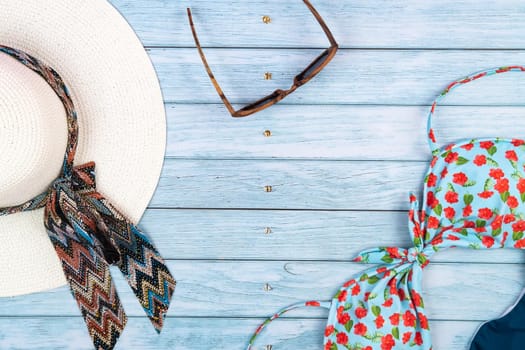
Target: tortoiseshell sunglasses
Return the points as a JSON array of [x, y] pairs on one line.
[[302, 78]]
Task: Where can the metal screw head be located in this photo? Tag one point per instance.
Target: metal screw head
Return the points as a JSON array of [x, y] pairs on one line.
[[268, 230], [268, 188], [266, 19], [267, 287], [267, 133], [267, 76]]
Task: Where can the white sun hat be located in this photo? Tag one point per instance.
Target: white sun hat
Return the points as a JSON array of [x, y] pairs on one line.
[[121, 117]]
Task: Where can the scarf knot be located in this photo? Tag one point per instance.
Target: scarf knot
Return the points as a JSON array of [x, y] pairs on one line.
[[89, 234], [69, 203]]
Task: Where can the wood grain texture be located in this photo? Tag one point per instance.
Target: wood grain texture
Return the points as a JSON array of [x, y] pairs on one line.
[[358, 24], [345, 150], [296, 184], [341, 132], [67, 333], [398, 77], [236, 289], [295, 235]]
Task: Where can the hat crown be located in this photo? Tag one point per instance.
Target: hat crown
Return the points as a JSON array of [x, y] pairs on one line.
[[120, 114], [33, 133]]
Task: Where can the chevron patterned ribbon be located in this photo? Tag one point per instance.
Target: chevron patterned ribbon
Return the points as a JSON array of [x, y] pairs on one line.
[[89, 234]]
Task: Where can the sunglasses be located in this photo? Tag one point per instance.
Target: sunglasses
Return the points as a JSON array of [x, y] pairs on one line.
[[302, 78]]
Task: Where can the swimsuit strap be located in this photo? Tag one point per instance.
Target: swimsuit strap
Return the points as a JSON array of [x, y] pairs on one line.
[[310, 303], [430, 132], [57, 84]]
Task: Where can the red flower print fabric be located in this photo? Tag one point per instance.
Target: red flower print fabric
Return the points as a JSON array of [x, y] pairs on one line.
[[483, 209], [473, 197], [382, 308]]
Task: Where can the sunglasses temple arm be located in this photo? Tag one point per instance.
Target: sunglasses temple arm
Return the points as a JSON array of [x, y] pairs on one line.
[[210, 74], [321, 23]]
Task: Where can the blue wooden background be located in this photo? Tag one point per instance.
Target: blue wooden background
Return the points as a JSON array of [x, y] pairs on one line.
[[343, 154]]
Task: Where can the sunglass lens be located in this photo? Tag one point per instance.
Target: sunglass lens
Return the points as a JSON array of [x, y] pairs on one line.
[[261, 102], [310, 71]]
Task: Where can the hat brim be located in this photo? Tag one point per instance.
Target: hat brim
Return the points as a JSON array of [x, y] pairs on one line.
[[121, 117]]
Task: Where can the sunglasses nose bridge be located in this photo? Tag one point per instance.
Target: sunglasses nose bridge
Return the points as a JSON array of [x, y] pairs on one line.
[[280, 94]]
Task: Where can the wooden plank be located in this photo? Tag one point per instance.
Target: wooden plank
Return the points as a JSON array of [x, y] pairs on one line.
[[295, 184], [68, 333], [295, 235], [340, 132], [358, 23], [236, 289], [399, 77]]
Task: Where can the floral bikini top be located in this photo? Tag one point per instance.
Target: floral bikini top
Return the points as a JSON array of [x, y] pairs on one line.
[[473, 197]]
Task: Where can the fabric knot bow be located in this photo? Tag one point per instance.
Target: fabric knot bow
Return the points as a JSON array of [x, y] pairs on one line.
[[394, 255], [421, 257], [70, 202], [384, 305], [419, 254], [89, 234]]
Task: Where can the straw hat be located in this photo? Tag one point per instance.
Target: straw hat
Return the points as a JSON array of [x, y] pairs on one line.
[[121, 123]]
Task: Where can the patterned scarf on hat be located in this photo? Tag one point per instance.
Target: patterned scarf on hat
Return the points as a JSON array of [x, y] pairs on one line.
[[89, 234]]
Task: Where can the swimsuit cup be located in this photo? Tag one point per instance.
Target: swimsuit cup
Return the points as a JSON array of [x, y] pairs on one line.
[[473, 197]]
